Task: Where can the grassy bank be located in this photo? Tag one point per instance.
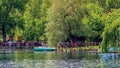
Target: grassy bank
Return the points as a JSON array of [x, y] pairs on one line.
[[85, 48]]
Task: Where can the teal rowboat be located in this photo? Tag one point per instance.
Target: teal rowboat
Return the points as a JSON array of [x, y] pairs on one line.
[[44, 49], [113, 49]]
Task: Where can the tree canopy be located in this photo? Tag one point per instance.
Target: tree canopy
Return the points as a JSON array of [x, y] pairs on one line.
[[57, 21], [65, 20], [111, 33]]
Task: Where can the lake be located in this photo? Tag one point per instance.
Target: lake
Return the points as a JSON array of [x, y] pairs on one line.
[[31, 59]]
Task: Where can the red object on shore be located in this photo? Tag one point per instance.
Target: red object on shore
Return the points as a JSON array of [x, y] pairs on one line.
[[74, 44]]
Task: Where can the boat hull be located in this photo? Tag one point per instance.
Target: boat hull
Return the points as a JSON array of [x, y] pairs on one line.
[[113, 50], [44, 49]]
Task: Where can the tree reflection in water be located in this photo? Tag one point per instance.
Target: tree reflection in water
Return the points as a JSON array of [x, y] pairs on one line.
[[72, 59], [109, 56], [6, 55]]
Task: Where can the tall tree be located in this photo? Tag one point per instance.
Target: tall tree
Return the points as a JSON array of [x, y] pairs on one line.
[[35, 18], [6, 8], [111, 32], [64, 20], [94, 23]]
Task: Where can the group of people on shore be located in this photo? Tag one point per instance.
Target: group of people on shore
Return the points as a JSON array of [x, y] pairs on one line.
[[20, 42], [77, 44], [23, 43]]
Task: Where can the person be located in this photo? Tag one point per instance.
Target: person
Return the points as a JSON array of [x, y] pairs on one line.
[[74, 44], [38, 43], [45, 44], [9, 43], [59, 45]]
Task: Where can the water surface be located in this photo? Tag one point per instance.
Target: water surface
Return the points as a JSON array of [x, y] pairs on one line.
[[31, 59]]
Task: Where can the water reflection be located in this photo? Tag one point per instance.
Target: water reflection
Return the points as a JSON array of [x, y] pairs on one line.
[[4, 56], [109, 57], [73, 59], [110, 60]]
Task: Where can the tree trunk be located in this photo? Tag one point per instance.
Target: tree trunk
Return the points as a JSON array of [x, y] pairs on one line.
[[4, 32], [5, 16]]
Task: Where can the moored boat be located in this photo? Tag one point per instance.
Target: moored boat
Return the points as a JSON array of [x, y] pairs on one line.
[[113, 50], [44, 48]]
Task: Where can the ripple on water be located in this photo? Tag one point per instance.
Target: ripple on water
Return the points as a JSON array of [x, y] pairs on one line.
[[58, 64]]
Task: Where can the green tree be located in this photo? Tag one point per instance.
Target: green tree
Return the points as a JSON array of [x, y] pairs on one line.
[[65, 20], [7, 7], [35, 18], [94, 23], [111, 33], [31, 18]]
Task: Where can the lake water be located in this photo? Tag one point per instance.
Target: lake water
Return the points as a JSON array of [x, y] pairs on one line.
[[31, 59]]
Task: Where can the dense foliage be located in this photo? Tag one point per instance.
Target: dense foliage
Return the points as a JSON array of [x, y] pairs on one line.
[[111, 33], [64, 20], [60, 20]]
